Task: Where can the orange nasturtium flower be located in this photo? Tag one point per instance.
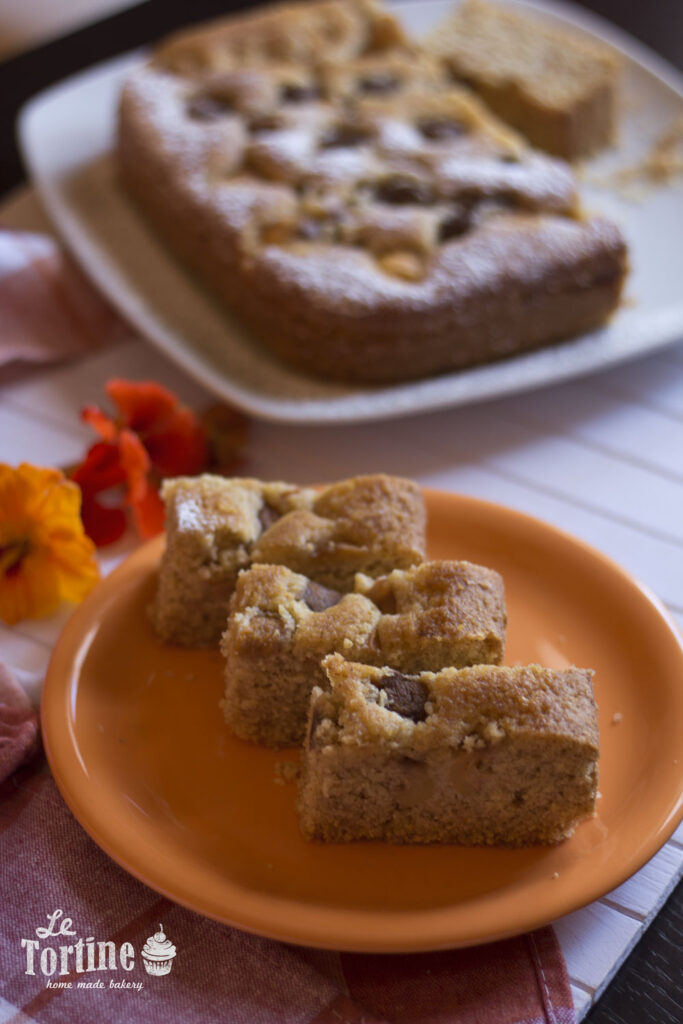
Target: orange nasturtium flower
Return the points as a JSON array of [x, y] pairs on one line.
[[45, 556], [151, 436]]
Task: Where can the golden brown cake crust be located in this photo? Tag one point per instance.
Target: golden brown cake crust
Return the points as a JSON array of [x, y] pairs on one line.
[[288, 33], [281, 625], [217, 526], [437, 614], [481, 755], [365, 218]]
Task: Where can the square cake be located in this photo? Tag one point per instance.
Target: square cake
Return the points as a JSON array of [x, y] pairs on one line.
[[487, 755], [366, 217], [282, 624], [217, 526]]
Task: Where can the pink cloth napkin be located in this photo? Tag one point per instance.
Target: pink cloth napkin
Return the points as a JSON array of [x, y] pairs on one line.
[[48, 310], [19, 729]]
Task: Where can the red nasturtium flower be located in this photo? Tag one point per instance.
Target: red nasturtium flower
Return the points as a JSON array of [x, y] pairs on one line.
[[151, 436]]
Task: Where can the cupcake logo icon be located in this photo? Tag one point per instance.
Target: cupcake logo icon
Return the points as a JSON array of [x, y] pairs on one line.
[[158, 953]]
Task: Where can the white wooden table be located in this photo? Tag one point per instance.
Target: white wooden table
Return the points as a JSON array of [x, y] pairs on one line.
[[601, 458]]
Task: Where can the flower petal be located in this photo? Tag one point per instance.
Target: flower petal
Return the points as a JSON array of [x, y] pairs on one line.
[[100, 422], [103, 524], [40, 515], [136, 463], [142, 405], [77, 568], [171, 433], [181, 447], [30, 593], [148, 513], [100, 470]]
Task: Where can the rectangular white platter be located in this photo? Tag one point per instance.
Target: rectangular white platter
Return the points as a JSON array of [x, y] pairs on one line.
[[67, 135]]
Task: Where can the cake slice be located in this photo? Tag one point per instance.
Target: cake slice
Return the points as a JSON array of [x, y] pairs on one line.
[[282, 624], [556, 88], [218, 526], [486, 755]]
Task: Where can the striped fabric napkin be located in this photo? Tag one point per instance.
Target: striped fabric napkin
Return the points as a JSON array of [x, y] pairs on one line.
[[219, 973], [48, 312]]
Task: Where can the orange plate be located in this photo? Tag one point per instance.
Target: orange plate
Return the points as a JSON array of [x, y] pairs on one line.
[[137, 744]]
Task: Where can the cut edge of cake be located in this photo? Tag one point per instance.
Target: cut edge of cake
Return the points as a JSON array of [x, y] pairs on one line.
[[487, 755]]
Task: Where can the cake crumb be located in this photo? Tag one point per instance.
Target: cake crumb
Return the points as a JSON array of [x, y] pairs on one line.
[[493, 732], [661, 165], [472, 742], [286, 771], [616, 718]]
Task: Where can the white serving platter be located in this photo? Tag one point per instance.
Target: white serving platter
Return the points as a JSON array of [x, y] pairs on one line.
[[67, 136]]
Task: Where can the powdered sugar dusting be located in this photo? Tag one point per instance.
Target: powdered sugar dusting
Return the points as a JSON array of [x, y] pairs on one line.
[[243, 178], [348, 282]]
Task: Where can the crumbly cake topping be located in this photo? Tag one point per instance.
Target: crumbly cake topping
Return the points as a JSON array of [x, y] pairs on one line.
[[469, 708], [440, 613], [367, 523], [272, 601], [224, 510], [325, 142], [439, 606], [369, 507], [450, 592]]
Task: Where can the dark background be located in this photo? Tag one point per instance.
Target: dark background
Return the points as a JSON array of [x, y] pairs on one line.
[[649, 987]]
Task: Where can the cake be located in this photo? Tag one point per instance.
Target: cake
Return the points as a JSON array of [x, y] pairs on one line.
[[557, 88], [282, 624], [366, 217], [486, 755], [216, 526]]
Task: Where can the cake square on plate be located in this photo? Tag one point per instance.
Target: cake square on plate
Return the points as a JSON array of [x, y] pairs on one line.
[[282, 624], [487, 755]]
